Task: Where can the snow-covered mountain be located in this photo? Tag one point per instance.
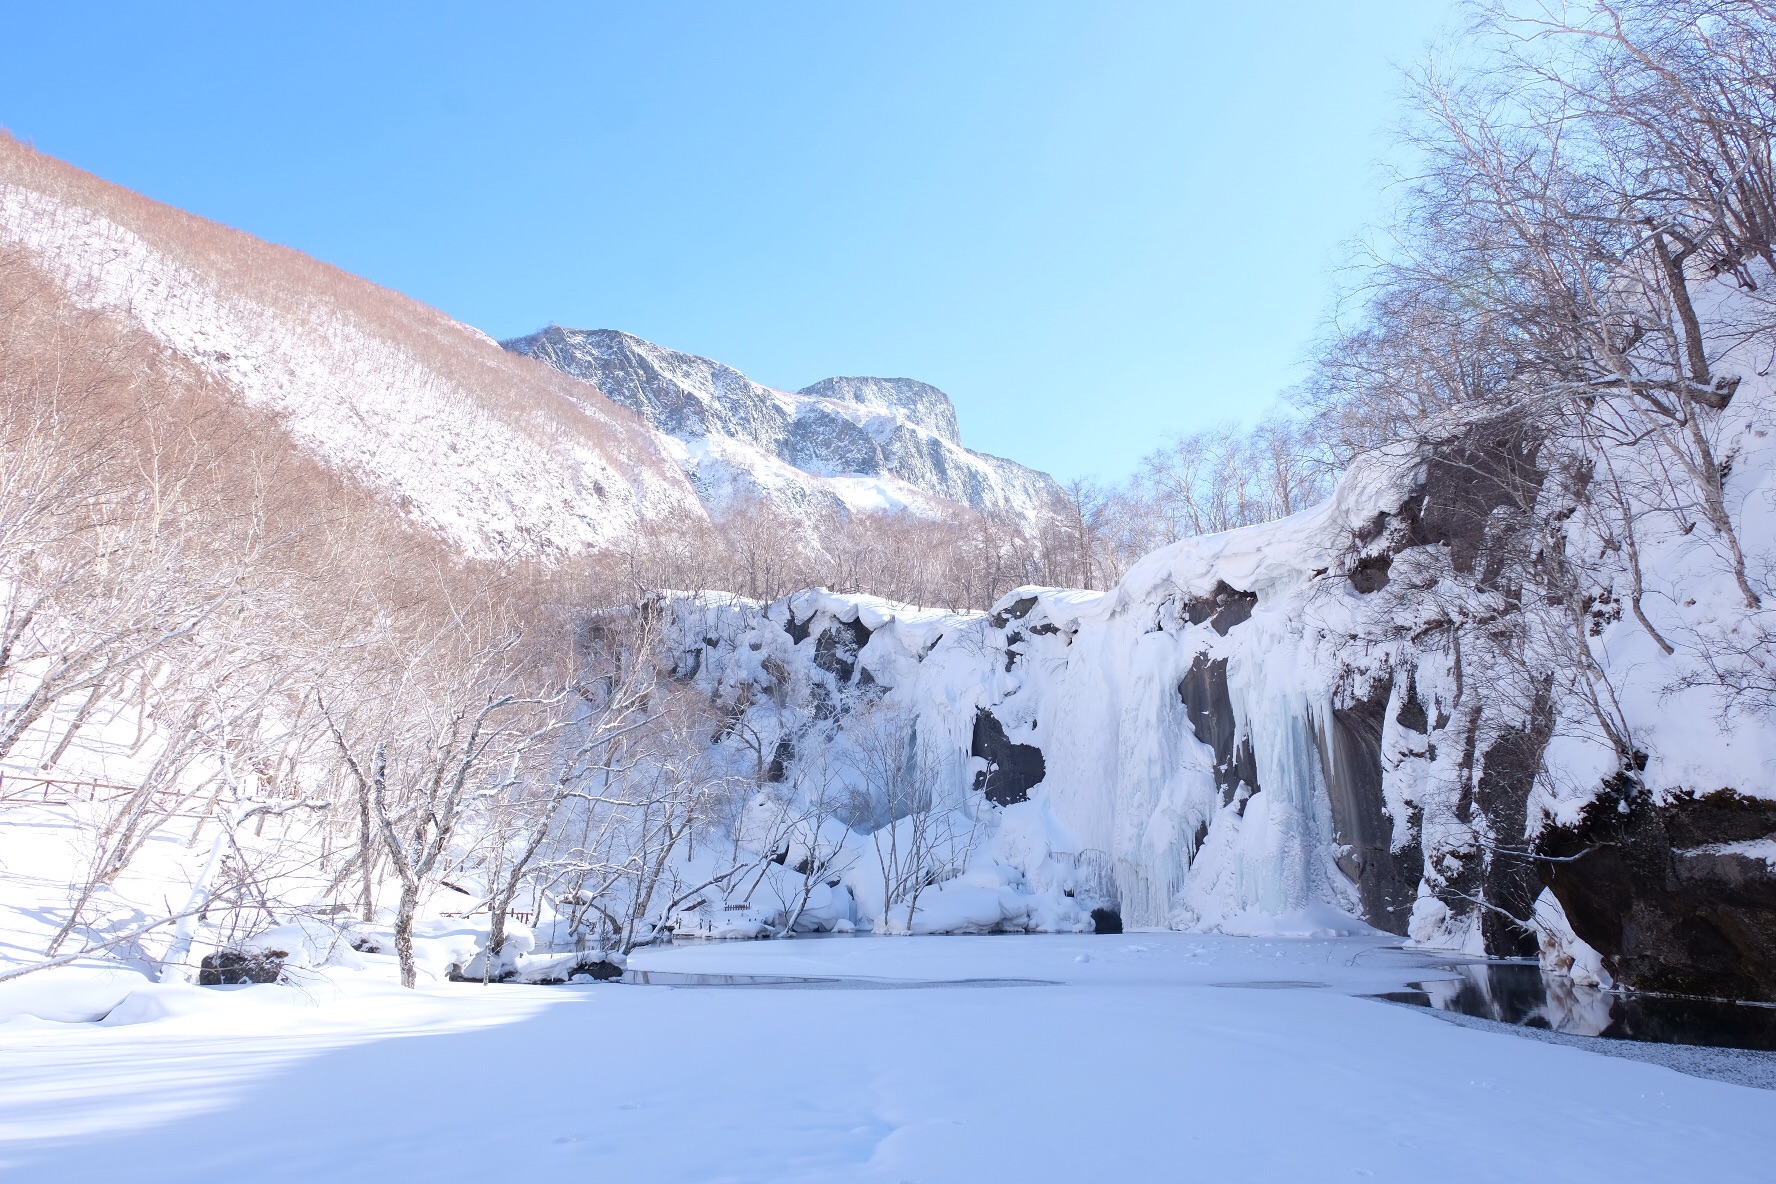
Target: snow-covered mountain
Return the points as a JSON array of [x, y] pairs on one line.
[[497, 454], [865, 442]]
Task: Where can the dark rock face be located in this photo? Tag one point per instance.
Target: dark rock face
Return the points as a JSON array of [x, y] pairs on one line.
[[597, 968], [685, 668], [233, 967], [836, 649], [1467, 484], [1106, 921], [1650, 889], [1477, 499], [1012, 769], [1412, 715], [781, 758], [1017, 610], [1371, 573], [1223, 608], [1350, 761], [1210, 710], [822, 441], [1507, 774]]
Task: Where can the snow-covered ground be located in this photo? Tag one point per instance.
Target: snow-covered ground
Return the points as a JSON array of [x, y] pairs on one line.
[[1148, 1056]]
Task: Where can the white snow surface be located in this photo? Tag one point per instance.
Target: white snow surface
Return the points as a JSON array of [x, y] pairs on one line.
[[1154, 1056]]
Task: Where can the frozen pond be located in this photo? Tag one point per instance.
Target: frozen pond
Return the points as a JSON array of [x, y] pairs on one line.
[[671, 978], [1134, 1057]]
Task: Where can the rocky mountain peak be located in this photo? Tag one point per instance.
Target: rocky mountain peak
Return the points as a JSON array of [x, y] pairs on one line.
[[800, 446], [919, 403]]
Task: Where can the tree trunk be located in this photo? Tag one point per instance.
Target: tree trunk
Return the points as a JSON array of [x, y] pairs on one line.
[[496, 938], [1686, 311], [404, 934], [176, 968], [367, 896]]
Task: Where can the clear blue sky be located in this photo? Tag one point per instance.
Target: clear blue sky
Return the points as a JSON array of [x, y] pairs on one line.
[[1093, 224]]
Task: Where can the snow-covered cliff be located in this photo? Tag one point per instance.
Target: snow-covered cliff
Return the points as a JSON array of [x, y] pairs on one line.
[[1331, 717], [868, 443]]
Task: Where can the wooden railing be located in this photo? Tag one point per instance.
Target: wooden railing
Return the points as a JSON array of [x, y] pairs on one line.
[[57, 791], [27, 789]]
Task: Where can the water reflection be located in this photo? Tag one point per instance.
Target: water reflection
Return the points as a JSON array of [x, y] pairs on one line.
[[1519, 993]]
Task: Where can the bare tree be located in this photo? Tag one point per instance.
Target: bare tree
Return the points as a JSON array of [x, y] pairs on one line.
[[919, 841], [450, 720]]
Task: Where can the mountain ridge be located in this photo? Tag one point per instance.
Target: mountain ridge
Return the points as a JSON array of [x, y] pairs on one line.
[[900, 434]]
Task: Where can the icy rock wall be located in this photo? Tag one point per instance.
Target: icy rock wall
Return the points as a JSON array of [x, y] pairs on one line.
[[1195, 730], [1362, 711]]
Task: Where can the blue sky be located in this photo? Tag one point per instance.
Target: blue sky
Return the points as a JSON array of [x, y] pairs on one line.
[[1095, 225]]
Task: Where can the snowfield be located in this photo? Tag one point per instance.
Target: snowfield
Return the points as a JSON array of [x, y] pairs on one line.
[[1152, 1056]]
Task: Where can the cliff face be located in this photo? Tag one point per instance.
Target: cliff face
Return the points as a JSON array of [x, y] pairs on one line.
[[1353, 713], [865, 442]]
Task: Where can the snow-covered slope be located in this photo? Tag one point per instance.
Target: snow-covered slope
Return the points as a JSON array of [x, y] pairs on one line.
[[498, 454], [866, 442]]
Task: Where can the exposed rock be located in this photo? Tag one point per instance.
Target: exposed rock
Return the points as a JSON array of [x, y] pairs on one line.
[[1370, 573], [227, 968], [1017, 610], [836, 649], [1350, 757], [1210, 711], [1012, 769], [781, 758], [1466, 484], [1661, 892], [1106, 921], [1223, 608], [1507, 774], [596, 968], [1412, 714]]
